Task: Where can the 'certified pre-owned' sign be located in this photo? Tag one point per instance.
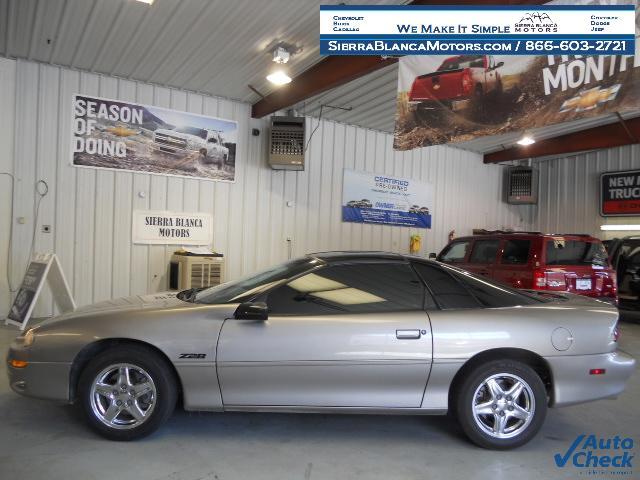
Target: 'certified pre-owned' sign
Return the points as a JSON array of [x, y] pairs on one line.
[[620, 193]]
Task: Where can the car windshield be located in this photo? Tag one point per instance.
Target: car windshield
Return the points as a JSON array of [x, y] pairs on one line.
[[198, 132], [575, 252], [243, 289], [464, 61]]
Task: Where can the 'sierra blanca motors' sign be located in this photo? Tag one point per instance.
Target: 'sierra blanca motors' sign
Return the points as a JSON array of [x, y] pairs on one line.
[[167, 228], [620, 194]]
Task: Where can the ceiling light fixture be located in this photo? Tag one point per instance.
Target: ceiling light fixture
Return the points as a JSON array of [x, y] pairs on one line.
[[281, 55], [279, 77], [526, 140], [612, 227], [148, 2]]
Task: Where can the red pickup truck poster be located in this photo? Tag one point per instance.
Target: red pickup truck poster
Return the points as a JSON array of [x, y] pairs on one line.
[[454, 99], [620, 194]]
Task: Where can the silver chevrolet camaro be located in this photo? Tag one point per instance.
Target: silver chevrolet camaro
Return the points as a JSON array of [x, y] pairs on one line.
[[343, 332]]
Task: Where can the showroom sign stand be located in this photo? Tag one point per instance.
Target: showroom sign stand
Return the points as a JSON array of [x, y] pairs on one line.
[[43, 266]]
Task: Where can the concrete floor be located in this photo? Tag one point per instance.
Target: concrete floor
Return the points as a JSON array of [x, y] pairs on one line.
[[43, 440]]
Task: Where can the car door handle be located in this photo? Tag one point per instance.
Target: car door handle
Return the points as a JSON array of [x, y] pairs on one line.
[[407, 334]]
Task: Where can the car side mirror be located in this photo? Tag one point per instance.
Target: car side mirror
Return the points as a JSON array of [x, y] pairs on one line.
[[252, 311], [432, 256]]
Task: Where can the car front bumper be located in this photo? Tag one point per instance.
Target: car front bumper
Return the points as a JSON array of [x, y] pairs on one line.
[[573, 384], [49, 380]]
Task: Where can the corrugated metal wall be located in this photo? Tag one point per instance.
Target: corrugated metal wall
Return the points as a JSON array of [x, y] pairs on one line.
[[570, 191], [90, 210]]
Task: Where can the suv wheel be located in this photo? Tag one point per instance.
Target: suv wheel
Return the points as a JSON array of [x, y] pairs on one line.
[[127, 392], [501, 404]]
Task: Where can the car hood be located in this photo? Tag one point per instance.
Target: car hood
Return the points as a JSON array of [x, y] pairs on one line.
[[161, 300]]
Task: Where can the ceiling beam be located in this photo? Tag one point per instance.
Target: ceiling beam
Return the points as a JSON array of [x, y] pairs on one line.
[[333, 71], [606, 136]]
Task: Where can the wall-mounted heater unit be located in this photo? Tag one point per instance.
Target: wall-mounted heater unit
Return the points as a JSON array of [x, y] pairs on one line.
[[195, 271], [522, 185], [286, 143]]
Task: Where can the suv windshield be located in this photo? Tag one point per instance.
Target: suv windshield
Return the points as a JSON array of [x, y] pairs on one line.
[[249, 286], [575, 252], [198, 132]]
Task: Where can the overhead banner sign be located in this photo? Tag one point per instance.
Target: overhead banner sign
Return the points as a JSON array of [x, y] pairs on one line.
[[385, 199], [172, 228], [142, 138], [459, 98], [620, 194], [472, 29]]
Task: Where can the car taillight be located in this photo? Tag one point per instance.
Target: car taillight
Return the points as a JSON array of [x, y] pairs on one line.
[[466, 82], [539, 279]]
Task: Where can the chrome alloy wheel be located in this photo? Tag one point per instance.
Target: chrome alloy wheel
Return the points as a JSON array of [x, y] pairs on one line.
[[503, 405], [123, 396]]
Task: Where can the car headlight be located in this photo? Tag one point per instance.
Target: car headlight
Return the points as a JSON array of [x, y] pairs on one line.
[[29, 338]]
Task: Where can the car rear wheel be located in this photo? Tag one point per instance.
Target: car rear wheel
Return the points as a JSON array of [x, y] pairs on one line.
[[127, 392], [501, 404]]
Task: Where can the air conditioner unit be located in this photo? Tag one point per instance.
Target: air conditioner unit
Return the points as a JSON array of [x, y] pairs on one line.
[[286, 143], [195, 271], [522, 185]]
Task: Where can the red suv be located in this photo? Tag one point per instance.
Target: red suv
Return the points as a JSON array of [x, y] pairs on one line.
[[532, 260]]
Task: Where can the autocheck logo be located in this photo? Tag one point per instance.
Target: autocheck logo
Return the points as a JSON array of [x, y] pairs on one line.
[[599, 456]]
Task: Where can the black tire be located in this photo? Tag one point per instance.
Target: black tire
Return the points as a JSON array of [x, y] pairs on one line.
[[161, 375], [473, 382]]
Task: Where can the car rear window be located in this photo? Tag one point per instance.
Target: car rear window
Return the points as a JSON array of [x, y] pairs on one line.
[[516, 252], [575, 252]]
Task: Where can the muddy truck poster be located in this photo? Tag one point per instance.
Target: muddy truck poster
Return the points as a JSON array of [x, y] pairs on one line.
[[142, 138], [448, 99]]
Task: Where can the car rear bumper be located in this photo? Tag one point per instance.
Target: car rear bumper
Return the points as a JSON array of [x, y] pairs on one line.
[[572, 382], [49, 380]]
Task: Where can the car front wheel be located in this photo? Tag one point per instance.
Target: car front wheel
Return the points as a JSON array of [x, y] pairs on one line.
[[127, 392], [501, 404]]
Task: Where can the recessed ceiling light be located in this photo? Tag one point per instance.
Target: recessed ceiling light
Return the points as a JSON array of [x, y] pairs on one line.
[[619, 227], [148, 2], [279, 78], [526, 140]]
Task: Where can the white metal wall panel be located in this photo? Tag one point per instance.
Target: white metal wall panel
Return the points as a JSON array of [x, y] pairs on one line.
[[90, 210], [570, 191]]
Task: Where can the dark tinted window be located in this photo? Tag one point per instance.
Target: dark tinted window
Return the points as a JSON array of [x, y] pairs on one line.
[[575, 252], [516, 252], [491, 294], [448, 292], [455, 252], [484, 251], [356, 288]]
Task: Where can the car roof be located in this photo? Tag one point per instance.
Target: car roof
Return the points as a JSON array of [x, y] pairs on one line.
[[342, 256], [499, 234]]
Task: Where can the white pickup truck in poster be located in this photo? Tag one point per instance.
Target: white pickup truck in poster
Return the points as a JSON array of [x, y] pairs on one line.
[[385, 199]]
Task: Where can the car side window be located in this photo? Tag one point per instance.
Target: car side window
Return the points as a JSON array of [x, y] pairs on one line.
[[449, 293], [455, 252], [484, 251], [516, 252], [349, 288]]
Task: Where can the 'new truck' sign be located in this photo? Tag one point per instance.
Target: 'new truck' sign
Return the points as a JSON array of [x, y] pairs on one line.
[[620, 194]]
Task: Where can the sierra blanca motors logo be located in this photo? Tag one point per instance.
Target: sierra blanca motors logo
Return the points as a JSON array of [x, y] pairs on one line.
[[536, 22], [599, 456]]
